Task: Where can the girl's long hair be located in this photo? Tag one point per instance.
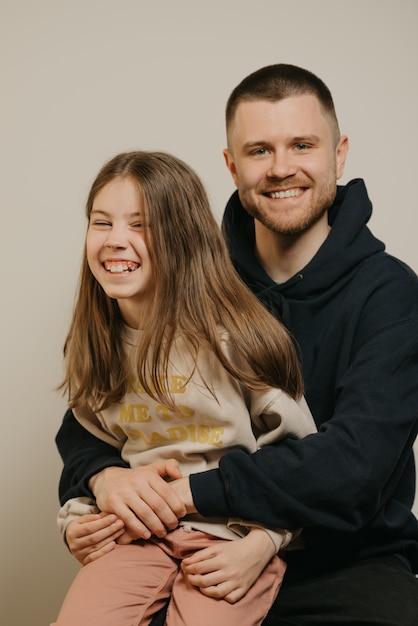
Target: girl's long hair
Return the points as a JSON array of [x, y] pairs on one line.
[[197, 290]]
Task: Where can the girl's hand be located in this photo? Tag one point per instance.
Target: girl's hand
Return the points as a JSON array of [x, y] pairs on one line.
[[91, 536], [228, 569]]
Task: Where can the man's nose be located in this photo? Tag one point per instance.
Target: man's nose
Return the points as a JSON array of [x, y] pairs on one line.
[[282, 165]]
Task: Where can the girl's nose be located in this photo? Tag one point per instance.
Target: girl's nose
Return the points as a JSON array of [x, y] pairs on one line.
[[116, 238]]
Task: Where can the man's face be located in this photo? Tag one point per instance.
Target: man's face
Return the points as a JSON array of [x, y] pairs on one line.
[[285, 162]]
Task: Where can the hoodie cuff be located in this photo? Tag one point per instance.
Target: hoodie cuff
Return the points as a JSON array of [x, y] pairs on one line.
[[209, 495]]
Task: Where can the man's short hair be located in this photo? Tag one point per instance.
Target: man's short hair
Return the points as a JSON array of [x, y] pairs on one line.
[[276, 82]]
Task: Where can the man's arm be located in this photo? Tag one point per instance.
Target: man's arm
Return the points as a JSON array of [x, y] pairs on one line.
[[141, 497], [360, 462], [83, 455]]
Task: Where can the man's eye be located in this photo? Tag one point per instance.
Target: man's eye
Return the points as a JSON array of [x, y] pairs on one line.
[[302, 146], [260, 151]]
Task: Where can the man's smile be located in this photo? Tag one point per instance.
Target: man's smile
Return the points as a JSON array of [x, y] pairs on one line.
[[288, 193]]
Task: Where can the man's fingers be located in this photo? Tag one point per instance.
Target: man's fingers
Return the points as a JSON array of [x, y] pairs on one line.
[[151, 504], [141, 520], [154, 514], [141, 497], [168, 467], [137, 529]]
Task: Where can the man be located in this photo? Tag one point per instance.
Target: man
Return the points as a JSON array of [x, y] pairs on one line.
[[302, 245]]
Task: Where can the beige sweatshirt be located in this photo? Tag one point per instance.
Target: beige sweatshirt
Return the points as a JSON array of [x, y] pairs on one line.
[[145, 431]]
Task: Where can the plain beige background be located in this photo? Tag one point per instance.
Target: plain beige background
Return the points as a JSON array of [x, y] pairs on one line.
[[84, 79]]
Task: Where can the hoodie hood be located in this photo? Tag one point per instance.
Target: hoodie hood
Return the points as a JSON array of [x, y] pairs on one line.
[[348, 244]]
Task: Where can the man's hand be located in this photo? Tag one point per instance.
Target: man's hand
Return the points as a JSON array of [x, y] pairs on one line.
[[141, 498], [182, 488], [228, 569], [91, 536]]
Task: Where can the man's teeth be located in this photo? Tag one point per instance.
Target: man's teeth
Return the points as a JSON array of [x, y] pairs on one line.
[[119, 268], [290, 193]]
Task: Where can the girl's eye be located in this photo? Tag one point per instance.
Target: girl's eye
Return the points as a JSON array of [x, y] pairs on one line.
[[142, 225], [100, 223]]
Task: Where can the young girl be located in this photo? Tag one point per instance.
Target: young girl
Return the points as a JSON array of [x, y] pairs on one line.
[[171, 358]]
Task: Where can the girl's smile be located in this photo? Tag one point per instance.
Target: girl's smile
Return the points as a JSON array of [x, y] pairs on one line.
[[120, 267]]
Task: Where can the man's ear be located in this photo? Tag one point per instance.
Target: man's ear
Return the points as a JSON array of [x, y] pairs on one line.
[[341, 155], [230, 164]]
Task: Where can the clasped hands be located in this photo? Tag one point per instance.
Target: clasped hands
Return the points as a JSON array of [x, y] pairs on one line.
[[135, 503], [139, 502], [143, 498]]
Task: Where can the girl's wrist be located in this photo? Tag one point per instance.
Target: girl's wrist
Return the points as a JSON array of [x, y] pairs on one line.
[[259, 537]]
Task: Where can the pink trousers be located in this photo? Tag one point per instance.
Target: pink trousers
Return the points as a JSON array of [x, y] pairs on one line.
[[127, 586]]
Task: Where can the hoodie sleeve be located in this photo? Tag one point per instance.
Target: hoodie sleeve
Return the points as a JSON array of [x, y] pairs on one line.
[[358, 470], [84, 455], [276, 415]]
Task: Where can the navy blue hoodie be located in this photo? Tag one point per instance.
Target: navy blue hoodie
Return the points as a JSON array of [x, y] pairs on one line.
[[353, 312]]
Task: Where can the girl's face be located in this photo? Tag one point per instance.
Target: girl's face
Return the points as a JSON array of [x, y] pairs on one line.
[[116, 252]]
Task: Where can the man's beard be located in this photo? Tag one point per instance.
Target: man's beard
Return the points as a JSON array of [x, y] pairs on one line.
[[291, 221]]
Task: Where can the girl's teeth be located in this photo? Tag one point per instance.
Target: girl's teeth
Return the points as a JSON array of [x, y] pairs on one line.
[[118, 269]]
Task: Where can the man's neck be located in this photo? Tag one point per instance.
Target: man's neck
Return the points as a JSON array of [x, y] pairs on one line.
[[283, 256]]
